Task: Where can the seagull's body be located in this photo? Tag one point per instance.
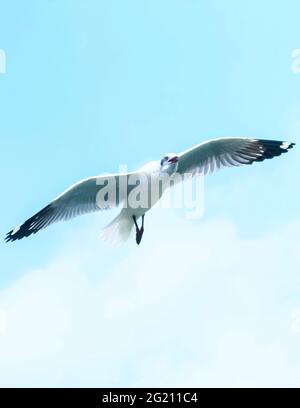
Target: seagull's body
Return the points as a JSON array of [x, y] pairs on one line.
[[86, 195]]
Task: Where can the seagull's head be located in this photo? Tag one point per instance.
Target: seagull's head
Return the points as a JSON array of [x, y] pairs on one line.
[[169, 163]]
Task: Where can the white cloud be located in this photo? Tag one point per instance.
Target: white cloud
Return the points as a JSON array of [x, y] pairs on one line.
[[194, 305]]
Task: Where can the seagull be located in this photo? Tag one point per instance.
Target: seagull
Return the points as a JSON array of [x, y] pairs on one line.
[[107, 191]]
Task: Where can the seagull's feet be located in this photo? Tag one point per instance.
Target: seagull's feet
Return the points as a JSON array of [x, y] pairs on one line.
[[139, 231], [139, 235]]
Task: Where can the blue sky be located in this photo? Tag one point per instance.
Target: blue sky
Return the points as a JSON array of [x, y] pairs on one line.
[[94, 84]]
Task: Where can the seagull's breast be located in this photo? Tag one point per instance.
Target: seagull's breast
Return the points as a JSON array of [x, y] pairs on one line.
[[146, 191]]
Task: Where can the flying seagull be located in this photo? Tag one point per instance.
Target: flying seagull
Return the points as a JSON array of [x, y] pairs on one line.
[[85, 196]]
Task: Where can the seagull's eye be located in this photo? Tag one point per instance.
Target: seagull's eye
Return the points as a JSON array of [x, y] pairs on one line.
[[163, 160]]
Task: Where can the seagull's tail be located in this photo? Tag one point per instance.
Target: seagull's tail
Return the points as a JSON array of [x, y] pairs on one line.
[[119, 229]]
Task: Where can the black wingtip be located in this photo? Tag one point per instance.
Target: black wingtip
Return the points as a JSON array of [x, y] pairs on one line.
[[31, 226], [9, 236], [272, 148], [12, 235], [288, 145]]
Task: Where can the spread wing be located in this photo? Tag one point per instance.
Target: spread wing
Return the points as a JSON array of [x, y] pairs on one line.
[[88, 195], [227, 152]]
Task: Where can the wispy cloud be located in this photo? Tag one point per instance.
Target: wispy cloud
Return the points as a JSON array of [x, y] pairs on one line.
[[194, 305]]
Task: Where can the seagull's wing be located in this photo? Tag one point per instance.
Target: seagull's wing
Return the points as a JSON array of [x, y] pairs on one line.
[[227, 152], [82, 197]]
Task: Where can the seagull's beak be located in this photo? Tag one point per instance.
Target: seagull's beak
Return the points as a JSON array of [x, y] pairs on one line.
[[173, 159]]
